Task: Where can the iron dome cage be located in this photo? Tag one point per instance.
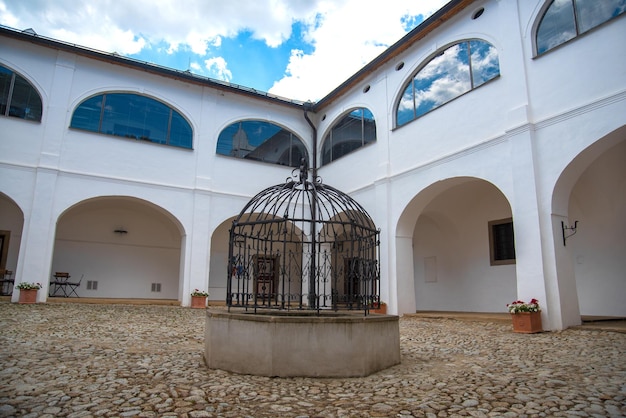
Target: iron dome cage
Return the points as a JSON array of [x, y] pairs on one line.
[[303, 245]]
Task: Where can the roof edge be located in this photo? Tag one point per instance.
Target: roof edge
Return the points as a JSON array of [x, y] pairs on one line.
[[419, 32], [449, 10], [29, 35]]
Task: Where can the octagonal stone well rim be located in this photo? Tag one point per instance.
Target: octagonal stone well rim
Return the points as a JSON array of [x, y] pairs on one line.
[[290, 344]]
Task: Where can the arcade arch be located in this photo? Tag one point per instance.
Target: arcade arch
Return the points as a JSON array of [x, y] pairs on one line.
[[590, 265], [11, 226], [443, 260], [125, 247]]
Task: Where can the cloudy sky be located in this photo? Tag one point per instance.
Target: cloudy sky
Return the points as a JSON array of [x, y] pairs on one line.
[[299, 49]]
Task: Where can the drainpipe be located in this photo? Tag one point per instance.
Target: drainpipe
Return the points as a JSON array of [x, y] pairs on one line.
[[307, 106], [313, 302]]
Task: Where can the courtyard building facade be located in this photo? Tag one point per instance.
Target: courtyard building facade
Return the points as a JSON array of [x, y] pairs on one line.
[[488, 145]]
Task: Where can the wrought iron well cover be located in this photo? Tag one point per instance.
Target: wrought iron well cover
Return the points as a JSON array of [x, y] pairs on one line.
[[303, 245]]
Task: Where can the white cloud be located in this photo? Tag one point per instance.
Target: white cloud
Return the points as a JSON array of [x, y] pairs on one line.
[[218, 69], [346, 34], [349, 35]]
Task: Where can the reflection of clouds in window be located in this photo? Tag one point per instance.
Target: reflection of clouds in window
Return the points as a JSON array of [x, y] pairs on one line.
[[558, 24], [442, 79], [405, 111], [447, 76], [485, 65], [592, 13]]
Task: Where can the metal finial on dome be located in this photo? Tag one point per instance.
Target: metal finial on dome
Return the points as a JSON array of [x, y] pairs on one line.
[[304, 170]]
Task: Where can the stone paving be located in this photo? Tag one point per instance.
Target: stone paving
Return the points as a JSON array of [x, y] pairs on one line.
[[78, 360]]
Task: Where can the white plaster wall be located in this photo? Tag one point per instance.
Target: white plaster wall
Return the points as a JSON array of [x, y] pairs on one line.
[[124, 265], [122, 271], [11, 219], [453, 228], [598, 202], [219, 262]]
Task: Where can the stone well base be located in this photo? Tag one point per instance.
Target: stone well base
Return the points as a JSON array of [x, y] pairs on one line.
[[297, 344]]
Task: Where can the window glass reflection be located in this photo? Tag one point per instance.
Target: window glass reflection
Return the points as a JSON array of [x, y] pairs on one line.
[[133, 116], [445, 77], [485, 65], [18, 98], [87, 115], [592, 13], [353, 131], [566, 19], [6, 77], [261, 141], [451, 73], [406, 107], [557, 26]]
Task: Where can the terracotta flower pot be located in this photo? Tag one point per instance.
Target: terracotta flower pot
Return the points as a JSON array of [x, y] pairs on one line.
[[198, 301], [380, 308], [527, 322], [28, 296]]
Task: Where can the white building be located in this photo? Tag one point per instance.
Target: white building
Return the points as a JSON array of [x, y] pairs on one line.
[[491, 117]]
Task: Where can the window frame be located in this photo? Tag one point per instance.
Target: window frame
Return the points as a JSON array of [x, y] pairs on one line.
[[576, 22], [410, 82], [295, 143], [493, 244], [14, 78], [328, 138], [105, 119]]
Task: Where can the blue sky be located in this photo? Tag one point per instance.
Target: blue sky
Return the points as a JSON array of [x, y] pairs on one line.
[[299, 49]]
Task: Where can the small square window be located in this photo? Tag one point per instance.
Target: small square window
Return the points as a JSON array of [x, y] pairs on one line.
[[501, 242]]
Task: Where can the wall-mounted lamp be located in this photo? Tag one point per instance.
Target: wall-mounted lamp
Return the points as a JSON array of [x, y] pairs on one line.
[[121, 231], [568, 228]]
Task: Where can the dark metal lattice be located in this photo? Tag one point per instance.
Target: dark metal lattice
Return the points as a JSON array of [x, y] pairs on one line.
[[303, 245]]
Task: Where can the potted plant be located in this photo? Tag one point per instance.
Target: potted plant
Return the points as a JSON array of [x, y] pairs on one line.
[[379, 307], [526, 316], [198, 298], [28, 292]]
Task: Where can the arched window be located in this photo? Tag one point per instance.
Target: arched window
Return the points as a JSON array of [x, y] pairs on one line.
[[18, 98], [133, 116], [261, 141], [354, 130], [451, 73], [566, 19]]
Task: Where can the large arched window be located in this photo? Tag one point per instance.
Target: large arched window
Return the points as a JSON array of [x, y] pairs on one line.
[[18, 98], [354, 130], [261, 141], [451, 73], [133, 116], [566, 19]]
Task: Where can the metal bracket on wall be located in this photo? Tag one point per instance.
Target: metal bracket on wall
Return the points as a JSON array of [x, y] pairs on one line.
[[568, 228]]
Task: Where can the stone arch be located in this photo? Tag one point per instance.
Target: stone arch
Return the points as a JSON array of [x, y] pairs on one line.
[[443, 249], [125, 247], [590, 264], [11, 226]]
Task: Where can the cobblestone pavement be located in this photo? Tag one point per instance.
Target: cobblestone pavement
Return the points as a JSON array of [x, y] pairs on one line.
[[77, 360]]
